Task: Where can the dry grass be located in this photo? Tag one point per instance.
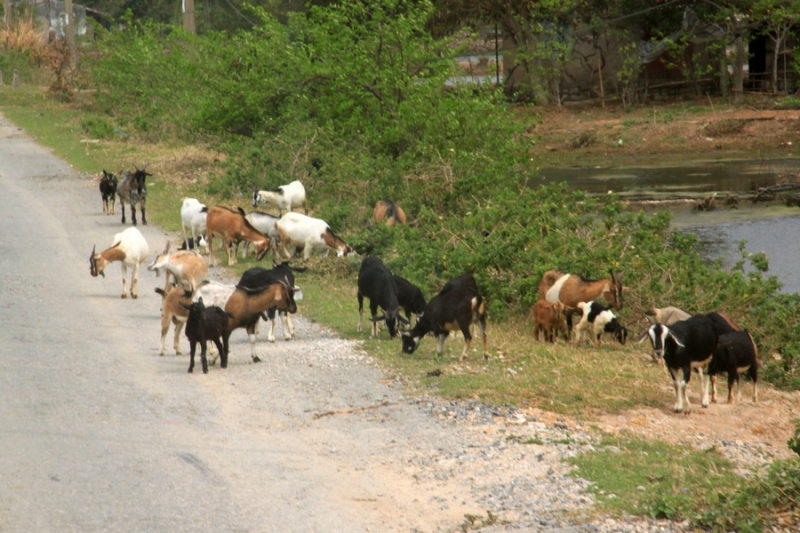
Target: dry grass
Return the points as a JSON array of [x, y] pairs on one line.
[[23, 36]]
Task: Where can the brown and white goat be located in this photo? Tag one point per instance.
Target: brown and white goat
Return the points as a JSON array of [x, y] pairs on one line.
[[130, 249], [549, 318], [187, 268], [232, 226], [174, 313], [569, 289], [246, 307], [390, 212], [313, 234]]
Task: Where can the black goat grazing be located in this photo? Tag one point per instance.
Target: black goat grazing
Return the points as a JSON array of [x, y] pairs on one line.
[[685, 345], [457, 306], [206, 324], [409, 296], [260, 277], [132, 190], [736, 353], [375, 282], [108, 190]]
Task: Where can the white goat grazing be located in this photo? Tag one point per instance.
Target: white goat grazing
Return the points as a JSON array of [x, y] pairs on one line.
[[311, 233], [265, 223], [186, 267], [193, 216], [131, 249], [285, 197]]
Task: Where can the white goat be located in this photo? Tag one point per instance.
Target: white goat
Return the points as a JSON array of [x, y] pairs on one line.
[[285, 197], [313, 234], [131, 249], [193, 216], [186, 267], [263, 222]]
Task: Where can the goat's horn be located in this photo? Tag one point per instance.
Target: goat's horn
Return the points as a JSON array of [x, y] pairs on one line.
[[402, 319], [94, 250], [166, 247], [652, 320]]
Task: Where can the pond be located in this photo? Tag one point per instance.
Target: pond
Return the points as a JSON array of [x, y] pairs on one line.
[[770, 227]]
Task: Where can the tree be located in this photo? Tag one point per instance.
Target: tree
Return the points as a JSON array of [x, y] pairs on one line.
[[778, 17]]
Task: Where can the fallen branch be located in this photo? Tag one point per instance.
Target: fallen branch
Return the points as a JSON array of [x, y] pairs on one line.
[[353, 410]]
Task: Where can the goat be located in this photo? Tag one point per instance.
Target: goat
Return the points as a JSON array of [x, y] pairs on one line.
[[736, 353], [313, 234], [667, 315], [131, 249], [133, 190], [206, 324], [375, 282], [108, 190], [456, 306], [409, 296], [186, 267], [685, 345], [601, 320], [549, 319], [285, 197], [173, 312], [231, 226], [264, 223], [390, 212], [569, 289], [246, 306], [193, 216], [260, 277]]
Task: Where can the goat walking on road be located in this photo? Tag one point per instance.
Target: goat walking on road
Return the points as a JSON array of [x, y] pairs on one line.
[[108, 190], [206, 324], [132, 190], [131, 249]]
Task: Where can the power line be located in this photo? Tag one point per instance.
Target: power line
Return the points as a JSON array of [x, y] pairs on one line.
[[240, 13]]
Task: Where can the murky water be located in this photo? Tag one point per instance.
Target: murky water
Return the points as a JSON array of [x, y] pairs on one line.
[[769, 227]]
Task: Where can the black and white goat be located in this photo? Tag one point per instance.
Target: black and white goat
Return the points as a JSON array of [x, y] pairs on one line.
[[260, 277], [736, 354], [457, 306], [600, 319], [132, 190], [685, 345], [375, 282], [409, 296], [108, 190], [206, 324], [285, 197]]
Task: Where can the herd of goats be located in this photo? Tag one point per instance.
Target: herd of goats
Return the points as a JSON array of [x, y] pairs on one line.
[[209, 311]]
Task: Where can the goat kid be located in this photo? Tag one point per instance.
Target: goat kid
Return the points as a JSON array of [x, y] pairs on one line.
[[232, 226], [549, 319], [600, 319], [133, 190], [685, 345], [108, 190], [206, 324], [455, 307], [388, 211], [285, 197], [375, 283], [131, 249], [569, 289], [187, 268], [313, 234]]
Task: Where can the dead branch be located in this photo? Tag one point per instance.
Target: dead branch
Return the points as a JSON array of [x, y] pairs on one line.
[[353, 410]]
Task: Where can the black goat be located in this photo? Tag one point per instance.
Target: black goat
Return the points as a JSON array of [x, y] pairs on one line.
[[736, 353], [206, 324], [133, 190], [409, 296], [376, 283], [685, 345], [108, 190], [280, 273], [457, 306]]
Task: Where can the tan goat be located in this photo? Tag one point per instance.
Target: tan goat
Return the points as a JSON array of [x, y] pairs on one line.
[[173, 313], [187, 268], [549, 318], [231, 226], [390, 212], [569, 289]]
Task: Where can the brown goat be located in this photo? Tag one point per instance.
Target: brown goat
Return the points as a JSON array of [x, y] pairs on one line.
[[390, 212], [549, 318], [231, 226], [174, 313], [246, 306], [569, 289]]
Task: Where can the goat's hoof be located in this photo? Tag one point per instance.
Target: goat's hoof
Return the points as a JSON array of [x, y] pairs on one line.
[[270, 339], [123, 295], [256, 359], [191, 371], [486, 357], [704, 406]]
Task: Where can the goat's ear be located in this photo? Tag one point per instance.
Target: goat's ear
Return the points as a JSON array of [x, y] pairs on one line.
[[402, 319], [166, 247], [644, 336], [679, 343]]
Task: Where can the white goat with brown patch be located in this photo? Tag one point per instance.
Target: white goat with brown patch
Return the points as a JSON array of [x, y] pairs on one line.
[[569, 289], [313, 234], [130, 249]]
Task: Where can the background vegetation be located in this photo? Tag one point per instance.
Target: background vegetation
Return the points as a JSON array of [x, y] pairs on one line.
[[351, 99]]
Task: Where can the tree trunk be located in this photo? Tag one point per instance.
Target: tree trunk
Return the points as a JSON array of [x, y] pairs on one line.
[[723, 74], [738, 71], [777, 42]]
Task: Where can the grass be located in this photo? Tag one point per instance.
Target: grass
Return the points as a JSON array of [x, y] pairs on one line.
[[644, 477]]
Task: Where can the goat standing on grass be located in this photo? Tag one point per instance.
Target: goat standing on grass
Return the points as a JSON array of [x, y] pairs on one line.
[[133, 190], [108, 190], [736, 353], [599, 319], [285, 197], [232, 226], [549, 319], [409, 296], [313, 234], [390, 212], [569, 289], [375, 283], [206, 324], [131, 249]]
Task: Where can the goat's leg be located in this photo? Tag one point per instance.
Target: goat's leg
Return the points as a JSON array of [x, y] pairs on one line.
[[192, 348], [713, 378], [178, 330], [231, 253], [203, 359], [124, 281], [373, 308], [135, 282], [252, 336], [219, 347], [164, 330], [482, 326], [122, 207], [133, 210], [288, 326], [676, 383], [753, 373], [536, 328], [144, 219], [360, 311], [704, 380], [271, 316], [467, 340], [112, 202], [440, 343]]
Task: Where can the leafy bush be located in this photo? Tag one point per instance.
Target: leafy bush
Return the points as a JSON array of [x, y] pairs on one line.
[[97, 128]]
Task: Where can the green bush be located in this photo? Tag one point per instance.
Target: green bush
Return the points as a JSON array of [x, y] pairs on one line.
[[97, 128]]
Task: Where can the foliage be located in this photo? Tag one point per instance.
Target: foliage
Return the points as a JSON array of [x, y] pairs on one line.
[[794, 442]]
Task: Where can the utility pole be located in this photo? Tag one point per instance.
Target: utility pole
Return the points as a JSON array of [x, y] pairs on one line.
[[188, 16], [70, 29], [7, 20]]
